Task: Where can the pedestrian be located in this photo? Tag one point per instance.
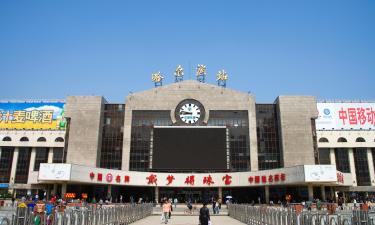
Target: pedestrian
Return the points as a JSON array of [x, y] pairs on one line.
[[120, 198], [216, 207], [175, 201], [171, 208], [213, 206], [166, 210], [204, 215]]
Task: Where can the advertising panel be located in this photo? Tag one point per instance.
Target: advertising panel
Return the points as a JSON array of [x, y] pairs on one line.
[[346, 116], [322, 173], [32, 115], [49, 171]]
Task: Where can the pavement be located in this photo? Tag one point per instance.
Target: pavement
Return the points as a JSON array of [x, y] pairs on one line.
[[180, 217], [182, 210], [187, 220]]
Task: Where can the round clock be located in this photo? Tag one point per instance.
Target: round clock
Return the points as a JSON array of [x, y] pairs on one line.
[[189, 112]]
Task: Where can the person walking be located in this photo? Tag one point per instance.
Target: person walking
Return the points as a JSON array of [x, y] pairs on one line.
[[166, 210], [204, 215]]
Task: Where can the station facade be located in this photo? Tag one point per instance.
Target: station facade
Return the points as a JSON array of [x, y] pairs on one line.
[[189, 140]]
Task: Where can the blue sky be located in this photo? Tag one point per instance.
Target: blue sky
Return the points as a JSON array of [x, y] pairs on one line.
[[51, 49]]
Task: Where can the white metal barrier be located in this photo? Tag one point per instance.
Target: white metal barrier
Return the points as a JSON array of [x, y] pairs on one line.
[[266, 215], [108, 215]]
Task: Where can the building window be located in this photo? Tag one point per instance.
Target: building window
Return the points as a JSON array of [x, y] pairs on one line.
[[6, 163], [41, 156], [341, 139], [24, 139], [112, 137], [58, 155], [7, 139], [142, 122], [23, 163], [361, 167], [59, 139], [342, 160], [269, 154], [41, 139], [323, 139], [237, 123], [324, 158], [360, 139]]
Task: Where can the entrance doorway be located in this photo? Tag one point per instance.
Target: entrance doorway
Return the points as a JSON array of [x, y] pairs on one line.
[[194, 195]]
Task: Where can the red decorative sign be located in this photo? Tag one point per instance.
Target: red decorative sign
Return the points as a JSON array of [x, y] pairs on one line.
[[359, 115], [267, 179], [190, 180], [109, 177], [152, 179], [170, 179], [227, 179], [340, 177], [208, 180], [127, 179], [118, 178], [100, 177], [92, 175]]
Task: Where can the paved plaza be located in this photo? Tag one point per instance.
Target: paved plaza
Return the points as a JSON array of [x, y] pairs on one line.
[[188, 220]]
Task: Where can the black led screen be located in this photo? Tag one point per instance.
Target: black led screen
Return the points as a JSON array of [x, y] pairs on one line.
[[196, 149]]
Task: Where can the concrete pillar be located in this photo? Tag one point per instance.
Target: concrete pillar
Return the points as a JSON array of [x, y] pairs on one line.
[[54, 190], [14, 165], [352, 166], [371, 166], [310, 190], [0, 152], [332, 194], [50, 155], [63, 189], [32, 159], [157, 195], [332, 157], [267, 194], [322, 189], [220, 193]]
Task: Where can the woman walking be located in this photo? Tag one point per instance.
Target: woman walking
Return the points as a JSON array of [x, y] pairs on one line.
[[204, 215], [166, 210]]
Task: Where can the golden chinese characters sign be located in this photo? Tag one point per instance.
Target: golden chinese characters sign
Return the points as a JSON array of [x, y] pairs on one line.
[[32, 115]]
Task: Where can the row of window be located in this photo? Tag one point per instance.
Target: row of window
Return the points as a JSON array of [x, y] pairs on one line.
[[23, 161], [40, 139], [341, 139], [343, 163]]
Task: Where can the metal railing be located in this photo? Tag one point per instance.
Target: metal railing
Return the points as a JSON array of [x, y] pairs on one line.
[[107, 215], [265, 215]]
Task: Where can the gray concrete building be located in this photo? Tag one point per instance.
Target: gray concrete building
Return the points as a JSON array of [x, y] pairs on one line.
[[189, 140]]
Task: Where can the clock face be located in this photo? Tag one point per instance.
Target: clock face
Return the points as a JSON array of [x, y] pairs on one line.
[[189, 113]]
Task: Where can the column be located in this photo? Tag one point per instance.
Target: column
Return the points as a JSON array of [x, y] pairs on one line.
[[32, 160], [63, 189], [332, 157], [220, 193], [109, 191], [352, 166], [0, 152], [310, 190], [267, 194], [157, 195], [50, 155], [54, 190], [371, 166], [14, 166], [322, 189]]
